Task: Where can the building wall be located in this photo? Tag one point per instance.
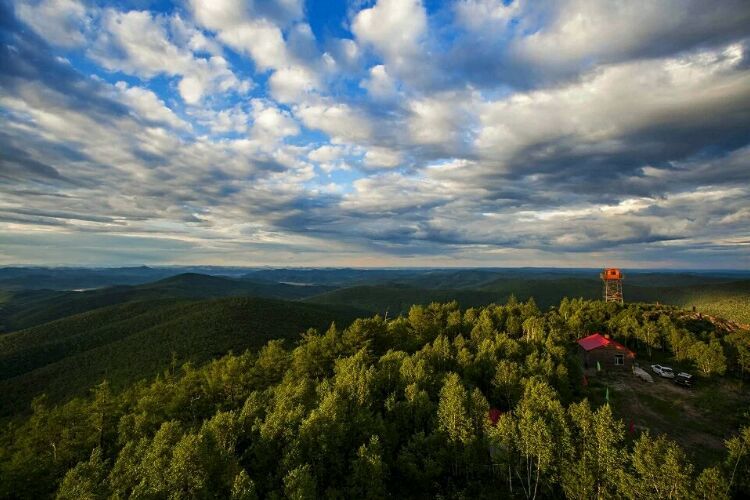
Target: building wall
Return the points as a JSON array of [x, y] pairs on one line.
[[606, 357]]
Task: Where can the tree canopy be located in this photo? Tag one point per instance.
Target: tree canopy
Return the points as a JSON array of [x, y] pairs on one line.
[[382, 408]]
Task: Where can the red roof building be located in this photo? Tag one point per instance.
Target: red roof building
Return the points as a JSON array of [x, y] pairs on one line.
[[494, 415], [609, 353]]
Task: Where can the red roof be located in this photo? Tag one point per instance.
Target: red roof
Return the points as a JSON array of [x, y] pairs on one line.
[[494, 415], [597, 340]]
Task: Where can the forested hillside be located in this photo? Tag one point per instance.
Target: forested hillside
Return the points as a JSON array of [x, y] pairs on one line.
[[397, 299], [23, 304], [127, 342], [730, 300], [710, 295], [27, 308], [443, 402]]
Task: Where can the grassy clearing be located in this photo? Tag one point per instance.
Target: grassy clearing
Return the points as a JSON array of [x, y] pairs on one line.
[[699, 419]]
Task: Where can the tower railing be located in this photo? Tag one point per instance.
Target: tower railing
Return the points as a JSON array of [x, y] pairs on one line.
[[612, 279]]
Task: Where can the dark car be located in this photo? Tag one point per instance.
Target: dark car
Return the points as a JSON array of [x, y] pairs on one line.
[[683, 379]]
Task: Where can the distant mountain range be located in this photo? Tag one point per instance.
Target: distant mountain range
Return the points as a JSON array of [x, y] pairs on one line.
[[70, 278], [60, 341], [26, 308]]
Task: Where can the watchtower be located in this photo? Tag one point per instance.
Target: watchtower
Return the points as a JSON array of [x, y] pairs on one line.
[[612, 278]]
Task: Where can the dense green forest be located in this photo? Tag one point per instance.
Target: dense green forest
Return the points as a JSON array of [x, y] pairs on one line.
[[129, 341], [442, 402], [396, 299]]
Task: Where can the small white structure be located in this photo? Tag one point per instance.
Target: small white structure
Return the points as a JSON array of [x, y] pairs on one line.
[[643, 374]]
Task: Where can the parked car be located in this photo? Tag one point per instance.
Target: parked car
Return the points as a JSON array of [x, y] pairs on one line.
[[663, 371], [683, 379]]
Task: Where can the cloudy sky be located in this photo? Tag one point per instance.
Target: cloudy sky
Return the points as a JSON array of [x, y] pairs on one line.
[[389, 133]]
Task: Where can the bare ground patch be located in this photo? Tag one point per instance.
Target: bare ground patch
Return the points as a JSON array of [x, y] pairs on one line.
[[699, 419]]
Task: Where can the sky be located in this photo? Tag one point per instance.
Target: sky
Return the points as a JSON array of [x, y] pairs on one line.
[[569, 133]]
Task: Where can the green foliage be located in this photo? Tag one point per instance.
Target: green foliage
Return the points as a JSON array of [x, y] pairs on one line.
[[597, 461], [453, 414], [711, 485], [382, 408], [243, 487], [398, 299], [708, 357], [369, 472], [139, 340], [739, 343], [659, 470], [85, 481], [299, 484], [738, 461]]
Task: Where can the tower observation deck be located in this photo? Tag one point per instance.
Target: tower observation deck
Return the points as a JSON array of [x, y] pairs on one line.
[[612, 278]]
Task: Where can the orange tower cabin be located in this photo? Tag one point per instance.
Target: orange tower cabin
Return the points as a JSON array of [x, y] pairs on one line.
[[612, 278]]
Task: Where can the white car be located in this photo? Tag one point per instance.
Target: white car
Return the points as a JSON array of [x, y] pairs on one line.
[[663, 371]]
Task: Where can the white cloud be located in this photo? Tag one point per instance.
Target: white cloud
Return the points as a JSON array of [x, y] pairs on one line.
[[221, 14], [394, 191], [138, 43], [483, 14], [586, 31], [271, 124], [257, 29], [230, 120], [340, 121], [380, 157], [330, 157], [396, 31], [343, 55], [233, 119], [394, 28], [326, 153], [380, 85], [292, 84], [147, 105], [527, 161], [443, 119], [242, 26], [185, 34], [597, 112], [62, 22], [302, 43], [206, 76], [260, 39]]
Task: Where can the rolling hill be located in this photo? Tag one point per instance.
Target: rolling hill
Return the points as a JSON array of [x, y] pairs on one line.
[[397, 299], [72, 278], [715, 296], [730, 300], [545, 292], [27, 308], [136, 340], [338, 277]]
